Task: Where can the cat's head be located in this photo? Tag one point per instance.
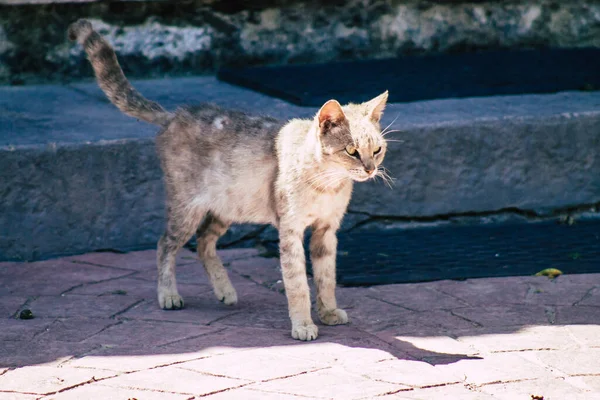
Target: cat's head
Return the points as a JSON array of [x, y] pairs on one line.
[[351, 138]]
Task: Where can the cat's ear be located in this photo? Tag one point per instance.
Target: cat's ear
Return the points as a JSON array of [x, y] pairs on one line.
[[376, 106], [330, 114]]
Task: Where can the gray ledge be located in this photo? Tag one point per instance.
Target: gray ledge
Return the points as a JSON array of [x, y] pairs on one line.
[[77, 176]]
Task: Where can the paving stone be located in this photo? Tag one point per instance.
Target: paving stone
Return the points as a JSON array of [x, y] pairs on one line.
[[592, 297], [587, 335], [45, 379], [174, 380], [571, 362], [333, 383], [12, 329], [557, 292], [134, 359], [275, 317], [10, 304], [502, 316], [135, 260], [135, 288], [506, 290], [251, 394], [495, 368], [147, 334], [202, 309], [404, 372], [73, 329], [52, 277], [525, 338], [24, 353], [342, 346], [262, 270], [375, 316], [419, 297], [438, 344], [190, 273], [99, 391], [591, 382], [385, 344], [232, 340], [550, 389], [577, 315], [79, 306], [457, 391], [579, 279], [349, 298], [255, 365], [17, 396]]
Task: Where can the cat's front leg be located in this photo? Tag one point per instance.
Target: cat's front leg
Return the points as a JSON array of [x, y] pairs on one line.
[[323, 248], [293, 267]]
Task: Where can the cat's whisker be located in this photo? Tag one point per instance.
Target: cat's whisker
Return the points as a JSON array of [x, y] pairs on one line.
[[392, 131], [385, 176], [395, 140], [390, 124]]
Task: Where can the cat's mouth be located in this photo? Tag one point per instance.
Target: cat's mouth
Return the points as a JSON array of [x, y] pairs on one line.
[[363, 177]]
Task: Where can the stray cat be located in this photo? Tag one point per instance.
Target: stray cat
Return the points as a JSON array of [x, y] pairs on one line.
[[222, 167]]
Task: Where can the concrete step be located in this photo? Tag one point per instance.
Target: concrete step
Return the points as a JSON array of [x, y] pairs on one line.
[[76, 175]]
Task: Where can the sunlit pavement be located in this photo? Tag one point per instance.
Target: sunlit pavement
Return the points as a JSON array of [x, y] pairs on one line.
[[97, 333]]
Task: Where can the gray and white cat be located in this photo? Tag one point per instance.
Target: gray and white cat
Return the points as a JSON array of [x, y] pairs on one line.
[[222, 167]]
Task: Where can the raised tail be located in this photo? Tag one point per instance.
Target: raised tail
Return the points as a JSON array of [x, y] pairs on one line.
[[111, 79]]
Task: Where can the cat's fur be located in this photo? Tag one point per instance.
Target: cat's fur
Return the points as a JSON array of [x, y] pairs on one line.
[[222, 167]]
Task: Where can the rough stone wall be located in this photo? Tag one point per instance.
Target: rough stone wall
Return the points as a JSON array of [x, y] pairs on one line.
[[195, 37]]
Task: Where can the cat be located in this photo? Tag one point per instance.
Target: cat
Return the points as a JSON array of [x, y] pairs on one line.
[[222, 167]]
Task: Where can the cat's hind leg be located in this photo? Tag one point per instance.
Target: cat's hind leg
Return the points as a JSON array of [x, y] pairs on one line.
[[180, 228], [208, 233]]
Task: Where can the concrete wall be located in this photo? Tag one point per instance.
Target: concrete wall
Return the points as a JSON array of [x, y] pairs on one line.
[[195, 37]]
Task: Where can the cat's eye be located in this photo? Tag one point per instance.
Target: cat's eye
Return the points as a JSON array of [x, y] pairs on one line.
[[377, 150], [351, 150]]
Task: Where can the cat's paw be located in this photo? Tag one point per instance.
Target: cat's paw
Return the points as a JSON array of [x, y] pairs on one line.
[[333, 317], [305, 331], [226, 294], [170, 301]]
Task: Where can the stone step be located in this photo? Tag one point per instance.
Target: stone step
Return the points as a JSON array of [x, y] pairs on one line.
[[76, 175]]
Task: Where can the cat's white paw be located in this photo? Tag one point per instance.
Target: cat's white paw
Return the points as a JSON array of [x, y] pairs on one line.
[[170, 301], [305, 331], [333, 317], [226, 294]]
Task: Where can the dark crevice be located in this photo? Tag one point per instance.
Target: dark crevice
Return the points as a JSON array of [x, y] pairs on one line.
[[96, 282], [585, 296], [127, 309], [475, 323], [190, 338], [392, 304], [528, 214]]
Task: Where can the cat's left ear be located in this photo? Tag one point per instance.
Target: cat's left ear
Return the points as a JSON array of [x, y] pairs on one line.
[[331, 114], [376, 106]]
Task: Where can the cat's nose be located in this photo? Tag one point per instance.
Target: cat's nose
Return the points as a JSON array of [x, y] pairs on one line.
[[369, 170]]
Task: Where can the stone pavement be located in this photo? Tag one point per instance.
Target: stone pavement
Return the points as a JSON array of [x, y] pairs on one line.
[[98, 334]]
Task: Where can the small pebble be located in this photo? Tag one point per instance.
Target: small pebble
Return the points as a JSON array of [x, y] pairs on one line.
[[26, 314]]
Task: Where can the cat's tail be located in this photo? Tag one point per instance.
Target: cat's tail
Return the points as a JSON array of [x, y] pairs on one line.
[[111, 79]]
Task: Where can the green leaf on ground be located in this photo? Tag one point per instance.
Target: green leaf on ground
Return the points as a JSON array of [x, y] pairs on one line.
[[550, 273]]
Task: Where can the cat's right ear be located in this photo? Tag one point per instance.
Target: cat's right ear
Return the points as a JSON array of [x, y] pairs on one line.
[[331, 114]]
